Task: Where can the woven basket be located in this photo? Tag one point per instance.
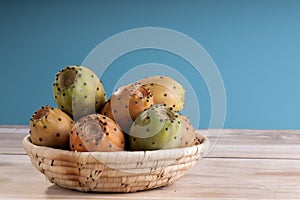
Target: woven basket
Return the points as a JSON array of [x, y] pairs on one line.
[[125, 171]]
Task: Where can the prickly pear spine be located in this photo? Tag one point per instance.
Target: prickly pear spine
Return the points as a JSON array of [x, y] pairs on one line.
[[158, 127]]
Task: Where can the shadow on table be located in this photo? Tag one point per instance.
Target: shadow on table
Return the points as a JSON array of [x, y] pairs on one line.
[[57, 191]]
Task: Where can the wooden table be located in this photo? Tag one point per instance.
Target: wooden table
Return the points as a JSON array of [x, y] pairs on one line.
[[244, 164]]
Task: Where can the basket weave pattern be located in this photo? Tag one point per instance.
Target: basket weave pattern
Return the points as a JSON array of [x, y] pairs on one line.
[[113, 171]]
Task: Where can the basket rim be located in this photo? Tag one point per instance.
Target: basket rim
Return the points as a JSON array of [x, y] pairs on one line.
[[27, 144]]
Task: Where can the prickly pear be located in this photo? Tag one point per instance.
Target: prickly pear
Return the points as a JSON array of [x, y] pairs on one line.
[[158, 127], [126, 104], [96, 132], [188, 133], [165, 91], [78, 91], [50, 127]]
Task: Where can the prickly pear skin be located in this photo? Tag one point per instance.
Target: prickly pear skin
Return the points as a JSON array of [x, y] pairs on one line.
[[126, 104], [78, 91], [158, 127], [188, 133], [165, 91], [50, 127], [96, 132]]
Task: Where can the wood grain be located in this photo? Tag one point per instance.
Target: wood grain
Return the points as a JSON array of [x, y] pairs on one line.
[[212, 178], [231, 143], [11, 139], [244, 164], [235, 143]]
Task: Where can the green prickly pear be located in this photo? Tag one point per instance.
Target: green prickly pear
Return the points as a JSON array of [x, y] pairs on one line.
[[78, 91], [165, 91], [158, 127]]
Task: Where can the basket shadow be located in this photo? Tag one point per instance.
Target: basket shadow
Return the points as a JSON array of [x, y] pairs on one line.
[[57, 191]]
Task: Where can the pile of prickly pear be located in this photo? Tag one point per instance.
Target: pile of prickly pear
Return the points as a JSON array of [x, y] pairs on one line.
[[139, 116]]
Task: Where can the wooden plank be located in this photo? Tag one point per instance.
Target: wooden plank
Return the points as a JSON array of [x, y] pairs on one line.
[[9, 129], [243, 143], [249, 137], [211, 178], [232, 143], [11, 139]]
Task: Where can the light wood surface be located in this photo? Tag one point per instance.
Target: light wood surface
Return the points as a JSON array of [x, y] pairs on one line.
[[244, 164]]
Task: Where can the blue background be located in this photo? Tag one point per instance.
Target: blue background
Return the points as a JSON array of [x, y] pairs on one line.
[[255, 44]]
